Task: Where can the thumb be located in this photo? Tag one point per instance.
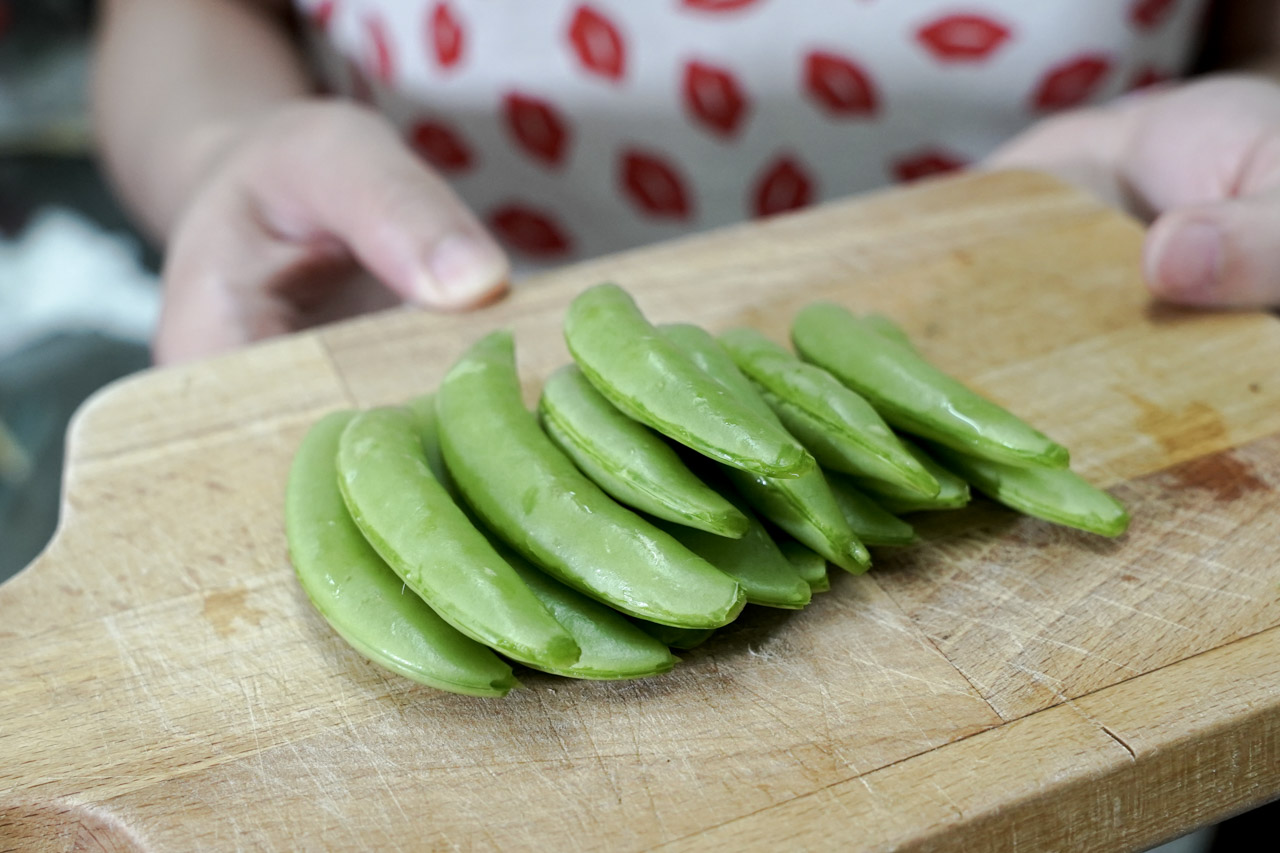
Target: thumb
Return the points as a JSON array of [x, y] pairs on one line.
[[1225, 253], [356, 181]]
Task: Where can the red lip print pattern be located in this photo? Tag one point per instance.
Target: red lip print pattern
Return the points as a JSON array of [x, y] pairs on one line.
[[321, 15], [922, 164], [963, 38], [1149, 77], [445, 35], [1149, 14], [713, 96], [537, 127], [529, 231], [378, 58], [783, 186], [718, 5], [441, 146], [839, 85], [598, 43], [654, 185], [1072, 83]]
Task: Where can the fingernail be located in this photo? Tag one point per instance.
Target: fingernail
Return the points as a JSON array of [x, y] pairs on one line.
[[1192, 264], [463, 269]]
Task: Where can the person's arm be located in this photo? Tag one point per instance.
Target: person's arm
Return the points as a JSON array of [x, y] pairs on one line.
[[268, 199]]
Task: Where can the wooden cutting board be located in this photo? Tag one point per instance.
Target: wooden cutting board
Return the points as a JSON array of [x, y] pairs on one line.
[[1007, 686]]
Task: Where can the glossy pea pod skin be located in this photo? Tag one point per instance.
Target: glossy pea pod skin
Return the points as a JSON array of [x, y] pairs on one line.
[[423, 410], [835, 454], [652, 381], [953, 492], [808, 563], [534, 498], [753, 560], [359, 595], [802, 506], [612, 647], [841, 430], [1053, 494], [873, 523], [809, 512], [413, 524], [629, 461], [913, 395], [887, 328]]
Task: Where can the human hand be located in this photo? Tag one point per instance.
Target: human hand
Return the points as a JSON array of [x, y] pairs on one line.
[[1201, 161], [289, 216]]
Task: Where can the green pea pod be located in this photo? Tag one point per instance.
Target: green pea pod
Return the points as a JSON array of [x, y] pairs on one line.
[[629, 461], [1054, 494], [535, 499], [840, 429], [890, 493], [913, 395], [706, 353], [873, 523], [835, 454], [357, 593], [802, 506], [676, 638], [953, 492], [612, 647], [423, 410], [807, 510], [753, 560], [649, 379], [410, 520], [886, 328], [808, 563]]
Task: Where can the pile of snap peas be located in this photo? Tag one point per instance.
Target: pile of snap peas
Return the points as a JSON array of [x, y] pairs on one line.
[[667, 479]]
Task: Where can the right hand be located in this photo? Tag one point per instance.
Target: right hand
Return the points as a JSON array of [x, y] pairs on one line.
[[292, 210]]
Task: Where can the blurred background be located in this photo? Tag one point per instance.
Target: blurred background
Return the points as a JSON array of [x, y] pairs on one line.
[[78, 290]]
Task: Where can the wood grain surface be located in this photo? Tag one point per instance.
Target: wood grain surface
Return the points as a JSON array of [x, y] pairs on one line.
[[1007, 685]]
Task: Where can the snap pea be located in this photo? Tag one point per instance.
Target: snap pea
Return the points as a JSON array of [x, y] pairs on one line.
[[706, 353], [649, 379], [753, 560], [423, 409], [887, 328], [676, 638], [834, 454], [629, 461], [808, 563], [807, 510], [532, 496], [802, 506], [1054, 494], [840, 429], [612, 647], [953, 492], [873, 523], [357, 593], [913, 395], [412, 523]]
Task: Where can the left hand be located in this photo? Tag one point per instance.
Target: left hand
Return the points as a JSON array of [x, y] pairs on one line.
[[1202, 161]]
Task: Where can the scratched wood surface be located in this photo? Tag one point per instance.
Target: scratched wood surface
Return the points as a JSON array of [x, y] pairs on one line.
[[1006, 685]]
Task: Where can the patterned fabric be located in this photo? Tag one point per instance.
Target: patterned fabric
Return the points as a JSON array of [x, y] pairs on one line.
[[578, 128]]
